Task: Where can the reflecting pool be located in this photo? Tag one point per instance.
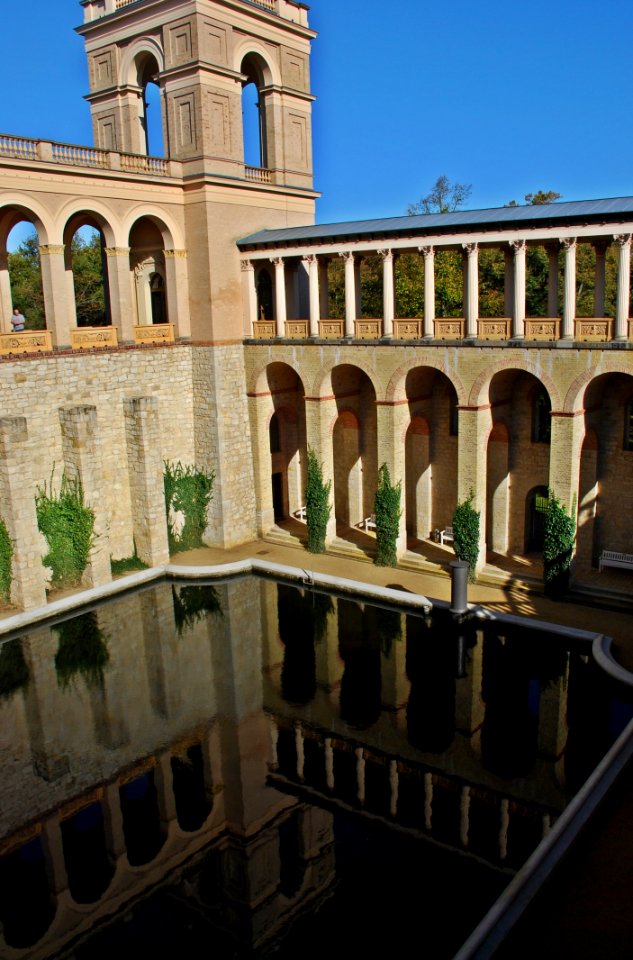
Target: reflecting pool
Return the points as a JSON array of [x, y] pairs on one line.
[[261, 770]]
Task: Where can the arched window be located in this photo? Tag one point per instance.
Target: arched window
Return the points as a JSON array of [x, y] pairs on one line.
[[151, 114], [541, 417], [254, 113]]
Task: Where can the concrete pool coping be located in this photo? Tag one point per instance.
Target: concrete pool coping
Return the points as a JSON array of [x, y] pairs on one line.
[[524, 887]]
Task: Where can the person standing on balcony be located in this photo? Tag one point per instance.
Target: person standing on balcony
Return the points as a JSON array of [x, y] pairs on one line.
[[17, 321]]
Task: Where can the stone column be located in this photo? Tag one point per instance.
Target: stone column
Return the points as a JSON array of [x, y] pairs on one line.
[[177, 293], [312, 266], [474, 427], [518, 309], [163, 780], [145, 469], [569, 305], [113, 821], [280, 295], [17, 508], [350, 294], [471, 311], [6, 304], [83, 463], [388, 294], [250, 296], [508, 285], [391, 428], [120, 287], [260, 410], [552, 717], [357, 287], [429, 291], [320, 416], [600, 246], [55, 289], [552, 278], [53, 850], [568, 430], [324, 287], [623, 241]]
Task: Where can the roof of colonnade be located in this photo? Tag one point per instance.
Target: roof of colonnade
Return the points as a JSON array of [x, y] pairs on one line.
[[576, 213]]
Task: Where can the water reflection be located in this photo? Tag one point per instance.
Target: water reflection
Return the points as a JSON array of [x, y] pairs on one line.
[[256, 763]]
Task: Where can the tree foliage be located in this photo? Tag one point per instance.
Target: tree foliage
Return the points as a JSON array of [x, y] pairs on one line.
[[466, 522], [445, 196], [387, 511], [558, 546], [317, 496], [68, 525], [188, 493]]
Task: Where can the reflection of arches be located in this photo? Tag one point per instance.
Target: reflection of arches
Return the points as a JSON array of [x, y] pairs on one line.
[[535, 512], [87, 864]]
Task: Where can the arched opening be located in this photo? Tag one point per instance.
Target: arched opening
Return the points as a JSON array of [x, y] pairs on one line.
[[535, 514], [286, 441], [147, 261], [191, 794], [21, 280], [157, 297], [254, 112], [152, 139], [354, 446], [87, 271]]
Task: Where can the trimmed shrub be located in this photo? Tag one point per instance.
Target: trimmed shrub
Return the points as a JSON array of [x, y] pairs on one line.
[[387, 511], [558, 547], [318, 508], [466, 534]]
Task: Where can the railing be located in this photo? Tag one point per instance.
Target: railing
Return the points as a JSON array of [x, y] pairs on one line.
[[21, 148], [258, 174], [267, 4]]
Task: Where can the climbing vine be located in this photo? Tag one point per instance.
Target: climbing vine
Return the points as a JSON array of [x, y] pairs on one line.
[[82, 650], [68, 525], [6, 560], [193, 603], [558, 547], [466, 534], [188, 493], [317, 496], [387, 510], [14, 672]]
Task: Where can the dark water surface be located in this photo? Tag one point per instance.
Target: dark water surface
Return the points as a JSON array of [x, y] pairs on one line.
[[248, 769]]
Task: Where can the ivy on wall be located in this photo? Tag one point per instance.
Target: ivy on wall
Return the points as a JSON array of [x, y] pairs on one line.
[[558, 547], [6, 560], [188, 493], [317, 496], [387, 511], [68, 525], [466, 534]]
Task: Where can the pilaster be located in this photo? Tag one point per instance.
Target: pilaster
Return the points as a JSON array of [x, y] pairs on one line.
[[121, 309], [145, 470], [55, 290], [474, 427]]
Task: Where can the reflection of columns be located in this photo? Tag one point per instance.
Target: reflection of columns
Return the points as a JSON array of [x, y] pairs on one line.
[[469, 703], [552, 278], [429, 290], [17, 496], [324, 287], [6, 305], [55, 289], [312, 265], [360, 774], [472, 288], [300, 750], [350, 294], [164, 783], [280, 295], [428, 801], [394, 683], [568, 431], [83, 463], [145, 468], [600, 246], [391, 428], [393, 788], [623, 241], [177, 293], [387, 292], [53, 850], [320, 416], [474, 427], [329, 763], [518, 309], [569, 297], [120, 288], [250, 296], [274, 741], [464, 815], [552, 716], [508, 284], [113, 821], [504, 823]]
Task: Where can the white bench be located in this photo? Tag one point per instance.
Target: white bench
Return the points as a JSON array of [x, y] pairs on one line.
[[300, 514], [446, 535], [611, 558], [369, 523]]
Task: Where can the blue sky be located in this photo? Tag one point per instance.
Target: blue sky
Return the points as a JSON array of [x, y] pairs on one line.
[[509, 97]]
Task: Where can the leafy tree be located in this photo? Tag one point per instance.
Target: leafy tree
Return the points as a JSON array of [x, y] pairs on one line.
[[387, 510], [26, 282], [558, 547], [466, 534], [538, 198], [317, 494], [443, 197]]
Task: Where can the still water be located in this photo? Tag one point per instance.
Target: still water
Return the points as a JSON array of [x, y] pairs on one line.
[[250, 769]]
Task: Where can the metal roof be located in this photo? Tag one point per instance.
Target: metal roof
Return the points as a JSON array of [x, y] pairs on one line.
[[574, 211]]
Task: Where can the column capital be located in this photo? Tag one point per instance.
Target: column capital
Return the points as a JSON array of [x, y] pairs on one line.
[[50, 249], [470, 248], [427, 251], [517, 245], [246, 265], [347, 256], [568, 243], [310, 258], [174, 254], [117, 251], [278, 261], [622, 239], [386, 254]]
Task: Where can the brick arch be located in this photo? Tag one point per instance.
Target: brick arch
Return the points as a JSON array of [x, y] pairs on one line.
[[480, 388], [395, 387], [574, 398], [16, 207], [419, 426], [171, 232], [322, 383], [79, 211], [257, 384]]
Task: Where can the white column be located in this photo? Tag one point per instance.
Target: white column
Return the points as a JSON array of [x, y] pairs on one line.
[[312, 265], [280, 295], [388, 305], [508, 285], [623, 241], [250, 298], [299, 746], [360, 774], [472, 289], [55, 290], [120, 287], [6, 306], [552, 279], [350, 294], [569, 305], [429, 290], [600, 247], [518, 311], [177, 293], [359, 302], [324, 287]]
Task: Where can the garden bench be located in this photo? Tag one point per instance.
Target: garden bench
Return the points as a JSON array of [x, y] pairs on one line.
[[369, 523], [446, 535], [300, 514], [611, 558]]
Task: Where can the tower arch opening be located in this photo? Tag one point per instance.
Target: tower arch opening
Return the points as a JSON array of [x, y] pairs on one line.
[[254, 125]]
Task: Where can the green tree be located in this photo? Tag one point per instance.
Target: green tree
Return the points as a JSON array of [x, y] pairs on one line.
[[444, 196], [88, 281], [387, 511], [26, 282], [466, 522], [558, 547], [317, 495]]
